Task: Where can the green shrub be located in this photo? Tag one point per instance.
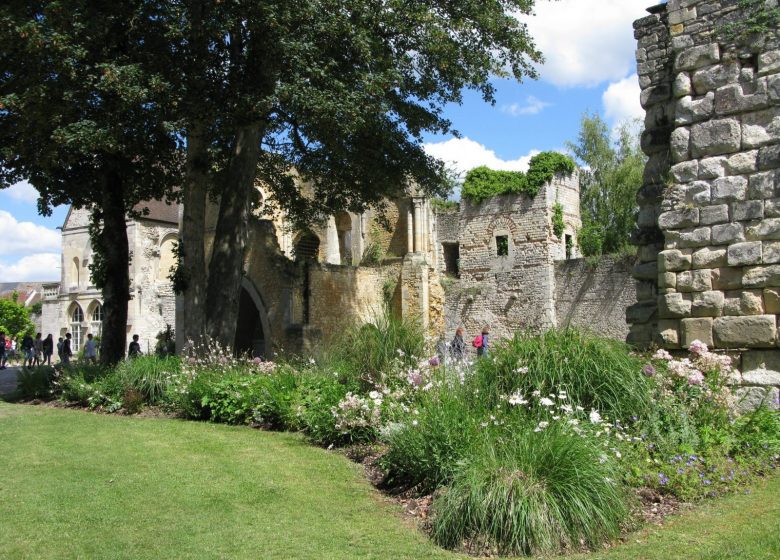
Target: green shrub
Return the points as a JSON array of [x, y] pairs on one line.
[[149, 375], [277, 399], [596, 372], [535, 493], [132, 400], [318, 397], [557, 220], [590, 238], [34, 383]]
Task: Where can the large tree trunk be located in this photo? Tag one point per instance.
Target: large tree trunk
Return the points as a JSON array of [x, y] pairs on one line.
[[115, 252], [193, 259], [226, 268]]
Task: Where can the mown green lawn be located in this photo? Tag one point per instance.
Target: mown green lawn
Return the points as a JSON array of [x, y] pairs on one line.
[[81, 485]]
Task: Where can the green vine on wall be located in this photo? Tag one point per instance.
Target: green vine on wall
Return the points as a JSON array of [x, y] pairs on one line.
[[482, 182], [758, 19], [558, 224]]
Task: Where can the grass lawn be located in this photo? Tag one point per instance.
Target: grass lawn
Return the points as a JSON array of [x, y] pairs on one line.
[[80, 485]]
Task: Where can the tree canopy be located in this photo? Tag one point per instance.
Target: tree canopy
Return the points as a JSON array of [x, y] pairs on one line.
[[14, 317]]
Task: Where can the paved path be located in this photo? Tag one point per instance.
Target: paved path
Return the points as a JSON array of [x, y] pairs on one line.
[[8, 380]]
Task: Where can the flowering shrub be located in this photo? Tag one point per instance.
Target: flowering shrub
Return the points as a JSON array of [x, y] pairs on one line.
[[358, 418]]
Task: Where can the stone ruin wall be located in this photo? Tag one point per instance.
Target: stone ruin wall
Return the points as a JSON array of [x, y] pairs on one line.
[[709, 222]]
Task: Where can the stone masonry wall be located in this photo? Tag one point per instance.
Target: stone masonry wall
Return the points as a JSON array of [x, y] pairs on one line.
[[595, 296], [709, 224]]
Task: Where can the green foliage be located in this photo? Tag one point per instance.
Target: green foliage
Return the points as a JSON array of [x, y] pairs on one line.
[[482, 182], [166, 342], [150, 375], [520, 497], [318, 398], [444, 205], [758, 19], [36, 308], [15, 318], [557, 220], [278, 399], [34, 383], [595, 372], [608, 186]]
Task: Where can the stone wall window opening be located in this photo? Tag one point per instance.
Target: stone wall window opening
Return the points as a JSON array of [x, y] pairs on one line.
[[451, 259], [502, 245], [167, 257], [77, 327], [569, 246], [344, 229], [74, 273], [306, 246]]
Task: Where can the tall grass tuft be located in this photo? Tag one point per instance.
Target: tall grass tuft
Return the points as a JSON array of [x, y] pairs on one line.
[[33, 383], [149, 375], [538, 492], [595, 372]]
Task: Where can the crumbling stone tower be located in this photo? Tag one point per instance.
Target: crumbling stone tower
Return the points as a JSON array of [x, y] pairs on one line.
[[709, 223]]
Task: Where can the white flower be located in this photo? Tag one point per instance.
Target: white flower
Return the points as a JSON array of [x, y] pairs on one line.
[[618, 455], [516, 399], [574, 421], [414, 422], [567, 408], [536, 393], [374, 395], [544, 401], [542, 425], [522, 370], [595, 417]]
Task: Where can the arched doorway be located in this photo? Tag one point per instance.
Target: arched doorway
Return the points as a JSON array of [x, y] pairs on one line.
[[252, 330]]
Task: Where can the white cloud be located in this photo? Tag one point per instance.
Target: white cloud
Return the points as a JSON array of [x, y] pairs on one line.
[[22, 191], [621, 100], [42, 267], [464, 154], [586, 42], [26, 237], [532, 106]]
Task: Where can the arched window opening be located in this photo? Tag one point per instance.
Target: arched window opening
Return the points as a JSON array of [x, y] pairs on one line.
[[76, 327], [344, 229], [167, 258], [96, 325], [74, 272], [306, 246]]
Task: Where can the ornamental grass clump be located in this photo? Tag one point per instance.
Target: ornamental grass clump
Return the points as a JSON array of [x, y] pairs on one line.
[[148, 375], [596, 373], [537, 492]]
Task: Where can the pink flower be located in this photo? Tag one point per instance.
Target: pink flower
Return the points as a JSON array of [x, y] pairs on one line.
[[698, 347], [434, 361], [695, 377], [414, 378]]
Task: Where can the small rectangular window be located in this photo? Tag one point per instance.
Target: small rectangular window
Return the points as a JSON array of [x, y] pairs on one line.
[[502, 245], [569, 246]]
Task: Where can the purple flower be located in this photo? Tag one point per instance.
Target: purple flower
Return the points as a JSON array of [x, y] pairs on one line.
[[663, 479], [648, 370], [434, 361]]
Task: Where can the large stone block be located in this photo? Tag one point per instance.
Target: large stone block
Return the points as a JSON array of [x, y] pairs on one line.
[[743, 162], [686, 171], [698, 237], [750, 398], [694, 281], [708, 304], [674, 305], [768, 62], [761, 276], [708, 258], [725, 278], [709, 79], [694, 58], [691, 110], [682, 85], [770, 253], [744, 254], [679, 142], [729, 189], [768, 158], [763, 185], [768, 228], [718, 214], [756, 331], [725, 234], [696, 329], [715, 137], [712, 168], [733, 99], [772, 208], [673, 260], [760, 128], [772, 300], [747, 210], [645, 271], [669, 333], [676, 219]]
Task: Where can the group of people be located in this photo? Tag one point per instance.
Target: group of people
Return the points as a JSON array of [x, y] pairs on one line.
[[38, 351], [457, 347]]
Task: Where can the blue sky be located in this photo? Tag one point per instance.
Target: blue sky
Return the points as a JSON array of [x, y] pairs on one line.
[[589, 50]]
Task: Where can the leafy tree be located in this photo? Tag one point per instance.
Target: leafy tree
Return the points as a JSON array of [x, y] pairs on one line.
[[334, 93], [14, 317], [83, 118], [608, 184]]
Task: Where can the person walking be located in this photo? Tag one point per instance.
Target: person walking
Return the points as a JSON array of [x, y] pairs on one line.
[[134, 349], [457, 346], [481, 342], [66, 350], [60, 343], [38, 349], [28, 350], [2, 350], [90, 352], [48, 349]]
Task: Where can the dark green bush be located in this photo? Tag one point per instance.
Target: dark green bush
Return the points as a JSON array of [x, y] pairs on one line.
[[149, 375], [277, 399], [34, 383], [319, 394]]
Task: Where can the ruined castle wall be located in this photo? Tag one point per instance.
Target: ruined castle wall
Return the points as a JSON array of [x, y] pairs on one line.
[[594, 296], [709, 208]]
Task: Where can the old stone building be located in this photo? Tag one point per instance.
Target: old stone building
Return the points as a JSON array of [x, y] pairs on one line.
[[709, 223], [74, 305]]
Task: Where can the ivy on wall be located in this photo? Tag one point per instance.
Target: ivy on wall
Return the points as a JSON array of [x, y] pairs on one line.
[[758, 18], [482, 182], [558, 224]]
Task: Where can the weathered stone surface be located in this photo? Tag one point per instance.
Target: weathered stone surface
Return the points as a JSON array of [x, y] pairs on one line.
[[709, 215], [712, 168], [646, 271], [679, 142], [732, 99], [676, 219], [749, 210], [673, 260], [667, 280], [640, 312], [686, 171], [696, 193], [772, 300], [747, 302], [698, 237], [761, 276], [750, 398], [772, 208], [674, 305], [773, 88], [694, 281], [708, 304], [729, 189], [708, 258], [669, 333], [760, 128], [715, 137], [761, 367], [725, 234], [743, 162], [725, 278], [768, 158], [768, 62], [770, 252], [755, 331], [691, 110], [696, 329], [682, 85], [697, 57], [742, 254], [710, 79], [763, 185], [768, 228]]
